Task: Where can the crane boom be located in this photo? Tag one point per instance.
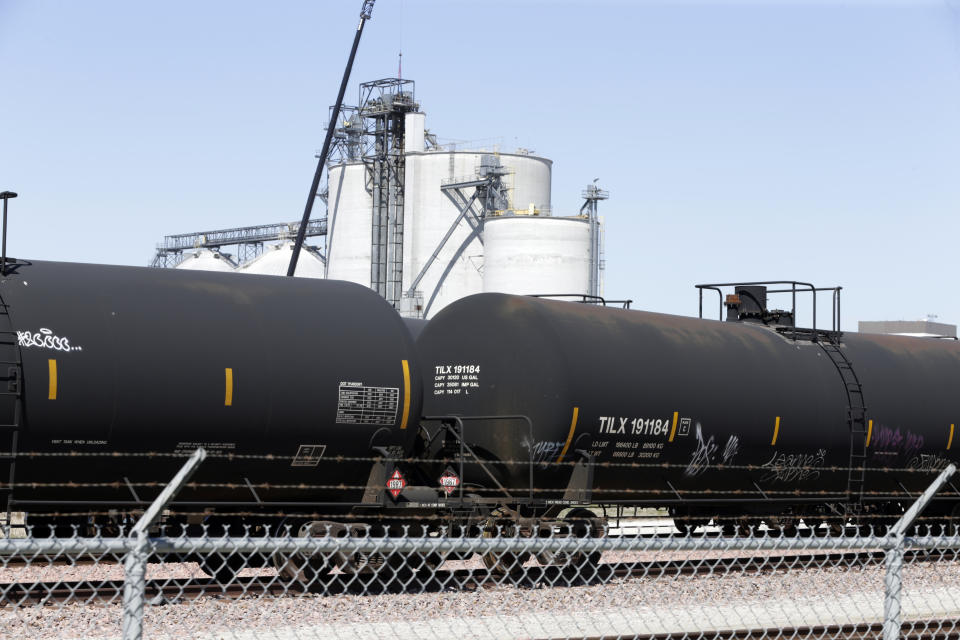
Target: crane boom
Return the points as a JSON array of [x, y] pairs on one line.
[[365, 13]]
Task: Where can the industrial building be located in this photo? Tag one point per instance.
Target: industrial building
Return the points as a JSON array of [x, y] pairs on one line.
[[925, 328], [425, 223]]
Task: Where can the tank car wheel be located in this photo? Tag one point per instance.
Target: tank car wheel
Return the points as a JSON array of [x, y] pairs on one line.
[[832, 528], [783, 525], [506, 563], [750, 526], [307, 570], [585, 524], [388, 570], [686, 521], [379, 569]]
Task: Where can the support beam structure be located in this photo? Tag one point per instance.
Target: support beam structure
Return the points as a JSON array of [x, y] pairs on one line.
[[249, 240], [489, 196]]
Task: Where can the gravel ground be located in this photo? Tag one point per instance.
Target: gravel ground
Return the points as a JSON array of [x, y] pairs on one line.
[[850, 592]]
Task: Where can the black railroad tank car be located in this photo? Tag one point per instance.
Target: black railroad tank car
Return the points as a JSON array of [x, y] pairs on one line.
[[709, 417], [138, 360]]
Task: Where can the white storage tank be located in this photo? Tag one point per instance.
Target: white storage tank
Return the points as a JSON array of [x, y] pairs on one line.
[[275, 260], [429, 214], [349, 215], [206, 260], [527, 255]]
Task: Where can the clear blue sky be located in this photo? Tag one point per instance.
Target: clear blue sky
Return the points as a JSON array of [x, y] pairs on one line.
[[757, 140]]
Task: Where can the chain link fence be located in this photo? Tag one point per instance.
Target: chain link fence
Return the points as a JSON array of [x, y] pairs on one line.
[[326, 582], [578, 577]]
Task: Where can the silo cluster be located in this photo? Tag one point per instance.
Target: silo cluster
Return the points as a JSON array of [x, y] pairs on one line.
[[272, 261], [425, 223], [207, 260], [422, 222]]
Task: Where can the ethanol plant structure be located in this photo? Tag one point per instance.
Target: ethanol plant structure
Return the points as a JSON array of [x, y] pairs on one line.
[[423, 222]]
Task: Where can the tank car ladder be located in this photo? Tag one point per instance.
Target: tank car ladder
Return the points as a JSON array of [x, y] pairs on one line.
[[12, 364], [856, 417]]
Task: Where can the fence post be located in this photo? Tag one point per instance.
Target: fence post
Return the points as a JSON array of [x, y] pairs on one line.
[[892, 584], [135, 563], [892, 588]]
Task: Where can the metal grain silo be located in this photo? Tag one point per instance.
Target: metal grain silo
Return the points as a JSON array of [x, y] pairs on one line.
[[527, 255], [276, 258], [206, 260]]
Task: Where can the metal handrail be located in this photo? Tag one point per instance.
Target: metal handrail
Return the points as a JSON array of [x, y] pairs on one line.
[[464, 448], [585, 298], [794, 284]]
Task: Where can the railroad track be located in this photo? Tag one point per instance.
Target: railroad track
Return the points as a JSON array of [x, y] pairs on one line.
[[173, 590]]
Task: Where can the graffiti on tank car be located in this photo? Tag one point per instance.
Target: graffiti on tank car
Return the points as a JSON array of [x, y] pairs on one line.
[[732, 449], [793, 467], [544, 450], [705, 453], [702, 454], [887, 441], [912, 443], [928, 462], [45, 339]]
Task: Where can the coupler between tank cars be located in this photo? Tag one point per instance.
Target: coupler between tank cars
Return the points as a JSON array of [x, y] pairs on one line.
[[415, 508], [578, 490]]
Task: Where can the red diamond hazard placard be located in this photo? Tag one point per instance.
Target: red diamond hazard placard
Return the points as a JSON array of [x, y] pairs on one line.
[[449, 481], [396, 483]]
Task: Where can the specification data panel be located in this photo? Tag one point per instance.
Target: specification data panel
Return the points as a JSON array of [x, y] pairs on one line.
[[367, 405]]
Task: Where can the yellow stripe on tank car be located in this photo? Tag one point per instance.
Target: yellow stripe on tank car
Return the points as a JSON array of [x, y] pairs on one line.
[[573, 427], [406, 394], [950, 439], [228, 391], [870, 433], [776, 431], [52, 395], [673, 429]]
